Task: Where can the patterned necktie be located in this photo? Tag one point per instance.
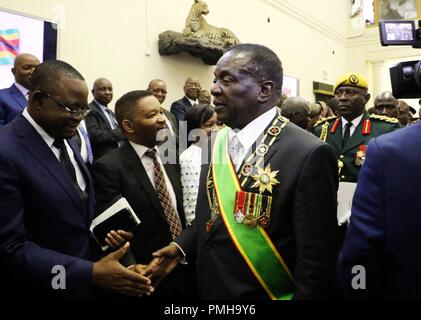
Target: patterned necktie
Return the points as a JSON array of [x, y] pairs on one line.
[[347, 134], [68, 166], [164, 197]]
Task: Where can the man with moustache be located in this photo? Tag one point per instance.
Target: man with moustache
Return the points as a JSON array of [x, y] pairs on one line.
[[14, 99], [265, 224], [103, 130], [47, 199], [137, 172], [192, 89]]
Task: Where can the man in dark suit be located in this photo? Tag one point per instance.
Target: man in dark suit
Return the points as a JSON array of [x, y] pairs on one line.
[[191, 93], [103, 130], [159, 90], [131, 171], [282, 205], [380, 256], [14, 99], [47, 198]]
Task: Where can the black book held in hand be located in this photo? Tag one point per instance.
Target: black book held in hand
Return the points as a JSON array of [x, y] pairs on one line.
[[119, 216]]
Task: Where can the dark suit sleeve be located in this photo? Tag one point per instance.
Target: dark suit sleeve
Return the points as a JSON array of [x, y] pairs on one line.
[[2, 112], [364, 244], [315, 224], [106, 183], [22, 257], [178, 110], [99, 134]]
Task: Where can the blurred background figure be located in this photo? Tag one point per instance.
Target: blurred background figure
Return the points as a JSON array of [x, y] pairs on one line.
[[315, 110], [205, 97], [386, 104], [200, 116], [405, 113], [297, 110], [325, 110], [15, 98], [191, 89]]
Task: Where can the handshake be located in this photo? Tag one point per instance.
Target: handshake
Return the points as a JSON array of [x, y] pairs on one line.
[[135, 280]]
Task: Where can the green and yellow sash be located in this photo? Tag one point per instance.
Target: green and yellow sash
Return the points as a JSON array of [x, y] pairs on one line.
[[254, 245]]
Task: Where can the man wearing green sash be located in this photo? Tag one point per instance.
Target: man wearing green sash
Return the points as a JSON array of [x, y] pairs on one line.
[[265, 224]]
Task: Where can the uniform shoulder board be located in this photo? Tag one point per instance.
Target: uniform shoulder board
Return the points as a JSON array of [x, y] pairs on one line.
[[323, 120], [384, 118], [283, 119]]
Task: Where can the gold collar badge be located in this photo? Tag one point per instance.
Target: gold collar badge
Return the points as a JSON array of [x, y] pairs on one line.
[[265, 179]]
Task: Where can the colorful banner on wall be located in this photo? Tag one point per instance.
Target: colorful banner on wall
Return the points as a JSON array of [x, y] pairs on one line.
[[9, 45]]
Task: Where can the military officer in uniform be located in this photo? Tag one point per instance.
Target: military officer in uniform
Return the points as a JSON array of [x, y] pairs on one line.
[[350, 131]]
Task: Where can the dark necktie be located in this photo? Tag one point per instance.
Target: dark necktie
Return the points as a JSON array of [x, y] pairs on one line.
[[164, 197], [347, 134], [68, 166]]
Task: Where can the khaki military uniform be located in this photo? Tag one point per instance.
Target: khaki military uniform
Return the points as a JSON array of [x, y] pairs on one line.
[[351, 156]]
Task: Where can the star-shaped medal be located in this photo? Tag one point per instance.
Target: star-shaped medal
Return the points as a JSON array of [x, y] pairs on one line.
[[265, 179]]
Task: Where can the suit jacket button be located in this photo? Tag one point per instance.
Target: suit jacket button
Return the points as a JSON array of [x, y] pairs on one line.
[[341, 156], [342, 177]]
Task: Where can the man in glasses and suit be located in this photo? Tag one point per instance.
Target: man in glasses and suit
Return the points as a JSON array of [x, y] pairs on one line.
[[47, 202]]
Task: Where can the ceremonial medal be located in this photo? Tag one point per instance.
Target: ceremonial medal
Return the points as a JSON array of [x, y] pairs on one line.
[[263, 221], [262, 150], [250, 221], [360, 156], [265, 179], [274, 131], [246, 169]]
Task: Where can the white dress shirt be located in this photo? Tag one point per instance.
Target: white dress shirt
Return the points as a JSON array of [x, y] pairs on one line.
[[49, 141], [354, 125], [147, 163], [249, 134], [190, 163]]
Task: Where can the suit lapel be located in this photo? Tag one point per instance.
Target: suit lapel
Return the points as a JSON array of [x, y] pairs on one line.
[[101, 113], [336, 138], [18, 96], [35, 145], [139, 171]]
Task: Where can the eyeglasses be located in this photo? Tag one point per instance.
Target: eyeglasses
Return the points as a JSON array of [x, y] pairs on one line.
[[84, 111]]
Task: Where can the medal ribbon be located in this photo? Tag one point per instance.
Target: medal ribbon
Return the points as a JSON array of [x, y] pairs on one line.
[[254, 245]]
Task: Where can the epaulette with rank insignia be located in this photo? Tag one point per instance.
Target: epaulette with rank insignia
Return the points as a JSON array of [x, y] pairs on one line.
[[323, 120], [384, 118]]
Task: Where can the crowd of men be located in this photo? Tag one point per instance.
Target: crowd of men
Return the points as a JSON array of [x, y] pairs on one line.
[[266, 223]]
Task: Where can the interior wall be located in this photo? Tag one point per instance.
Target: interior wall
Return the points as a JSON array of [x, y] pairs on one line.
[[119, 40]]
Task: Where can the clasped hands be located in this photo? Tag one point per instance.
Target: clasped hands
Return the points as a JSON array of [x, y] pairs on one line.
[[136, 280]]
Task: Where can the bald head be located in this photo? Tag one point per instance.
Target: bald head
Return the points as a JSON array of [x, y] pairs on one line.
[[103, 91], [158, 89], [386, 104], [297, 110], [23, 68], [192, 88]]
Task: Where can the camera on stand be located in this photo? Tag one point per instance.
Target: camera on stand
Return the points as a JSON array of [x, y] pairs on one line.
[[405, 76]]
